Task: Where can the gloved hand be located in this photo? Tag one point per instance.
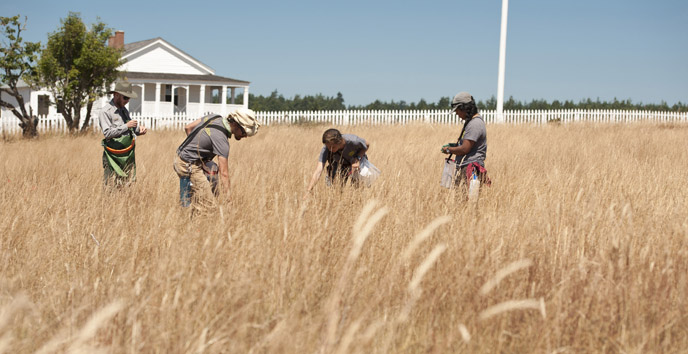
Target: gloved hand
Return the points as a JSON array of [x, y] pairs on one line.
[[446, 146]]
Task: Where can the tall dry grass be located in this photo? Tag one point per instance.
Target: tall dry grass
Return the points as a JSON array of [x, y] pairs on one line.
[[580, 245]]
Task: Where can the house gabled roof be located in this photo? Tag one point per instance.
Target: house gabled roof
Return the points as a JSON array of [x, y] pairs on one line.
[[133, 48]]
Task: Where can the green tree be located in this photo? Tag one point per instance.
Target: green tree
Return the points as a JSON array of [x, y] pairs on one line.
[[277, 102], [443, 103], [77, 67], [17, 62], [340, 101]]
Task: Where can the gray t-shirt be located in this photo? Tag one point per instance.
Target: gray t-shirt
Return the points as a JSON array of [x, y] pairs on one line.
[[208, 143], [352, 148], [476, 132]]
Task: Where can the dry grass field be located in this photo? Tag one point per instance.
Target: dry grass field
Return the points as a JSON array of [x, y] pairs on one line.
[[580, 246]]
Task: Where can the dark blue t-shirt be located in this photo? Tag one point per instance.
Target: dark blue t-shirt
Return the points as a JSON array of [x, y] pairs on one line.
[[347, 155]]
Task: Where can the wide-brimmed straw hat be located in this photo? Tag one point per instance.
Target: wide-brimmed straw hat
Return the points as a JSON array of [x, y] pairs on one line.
[[247, 119], [123, 87]]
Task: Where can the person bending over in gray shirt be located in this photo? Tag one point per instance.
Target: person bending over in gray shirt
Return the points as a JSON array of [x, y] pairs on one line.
[[208, 137]]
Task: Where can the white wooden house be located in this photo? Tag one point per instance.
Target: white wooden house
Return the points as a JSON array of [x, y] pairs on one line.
[[167, 80], [36, 102]]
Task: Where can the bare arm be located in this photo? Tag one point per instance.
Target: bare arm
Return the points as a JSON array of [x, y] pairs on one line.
[[190, 127], [356, 165], [223, 166], [364, 151], [316, 176], [462, 149]]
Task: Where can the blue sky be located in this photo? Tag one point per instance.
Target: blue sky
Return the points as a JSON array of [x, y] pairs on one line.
[[408, 50]]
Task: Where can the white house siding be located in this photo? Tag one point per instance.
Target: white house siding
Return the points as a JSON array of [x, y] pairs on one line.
[[31, 99], [161, 60]]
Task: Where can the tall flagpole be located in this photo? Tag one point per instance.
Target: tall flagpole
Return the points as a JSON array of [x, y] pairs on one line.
[[502, 63]]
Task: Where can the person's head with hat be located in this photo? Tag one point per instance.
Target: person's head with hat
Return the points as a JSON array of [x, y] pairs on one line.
[[122, 93], [243, 123], [464, 105]]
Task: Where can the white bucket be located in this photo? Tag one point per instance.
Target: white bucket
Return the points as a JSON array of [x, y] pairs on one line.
[[448, 173]]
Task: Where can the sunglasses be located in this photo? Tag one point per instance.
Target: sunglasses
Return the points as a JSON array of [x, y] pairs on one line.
[[457, 106], [126, 98]]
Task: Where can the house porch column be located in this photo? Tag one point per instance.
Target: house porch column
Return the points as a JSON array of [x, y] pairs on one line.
[[223, 101], [174, 106], [202, 100], [157, 99], [186, 106]]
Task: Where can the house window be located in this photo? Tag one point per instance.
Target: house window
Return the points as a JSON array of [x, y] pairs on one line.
[[215, 93], [43, 105], [60, 103], [168, 95], [238, 96]]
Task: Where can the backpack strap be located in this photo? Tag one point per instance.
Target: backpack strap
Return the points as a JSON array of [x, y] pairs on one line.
[[222, 129], [205, 124], [463, 130]]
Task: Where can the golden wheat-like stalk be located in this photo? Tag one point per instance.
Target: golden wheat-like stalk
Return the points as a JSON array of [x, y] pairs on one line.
[[503, 273], [511, 305]]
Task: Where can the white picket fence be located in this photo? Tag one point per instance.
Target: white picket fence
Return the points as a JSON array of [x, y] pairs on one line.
[[55, 123], [360, 117]]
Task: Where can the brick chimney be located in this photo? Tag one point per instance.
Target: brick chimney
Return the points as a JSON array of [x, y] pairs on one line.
[[116, 41]]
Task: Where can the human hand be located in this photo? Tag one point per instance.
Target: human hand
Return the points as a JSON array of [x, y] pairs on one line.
[[132, 123], [142, 130], [356, 165], [445, 148]]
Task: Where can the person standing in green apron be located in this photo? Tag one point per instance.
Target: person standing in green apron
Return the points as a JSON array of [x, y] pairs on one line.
[[120, 131]]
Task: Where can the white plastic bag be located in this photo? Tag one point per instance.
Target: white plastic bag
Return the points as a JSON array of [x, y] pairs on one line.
[[448, 173], [368, 173]]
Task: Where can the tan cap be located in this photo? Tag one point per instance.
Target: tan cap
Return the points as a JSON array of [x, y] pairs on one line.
[[123, 87], [461, 98], [247, 119]]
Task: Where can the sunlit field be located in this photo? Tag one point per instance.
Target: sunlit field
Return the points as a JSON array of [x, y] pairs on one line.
[[580, 245]]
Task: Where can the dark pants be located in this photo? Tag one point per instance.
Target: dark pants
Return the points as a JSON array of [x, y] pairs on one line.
[[338, 173]]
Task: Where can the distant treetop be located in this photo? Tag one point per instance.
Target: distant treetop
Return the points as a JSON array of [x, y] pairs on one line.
[[277, 102]]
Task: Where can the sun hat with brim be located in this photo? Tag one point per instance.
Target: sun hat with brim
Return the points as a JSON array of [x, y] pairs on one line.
[[247, 119], [459, 99], [124, 88]]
